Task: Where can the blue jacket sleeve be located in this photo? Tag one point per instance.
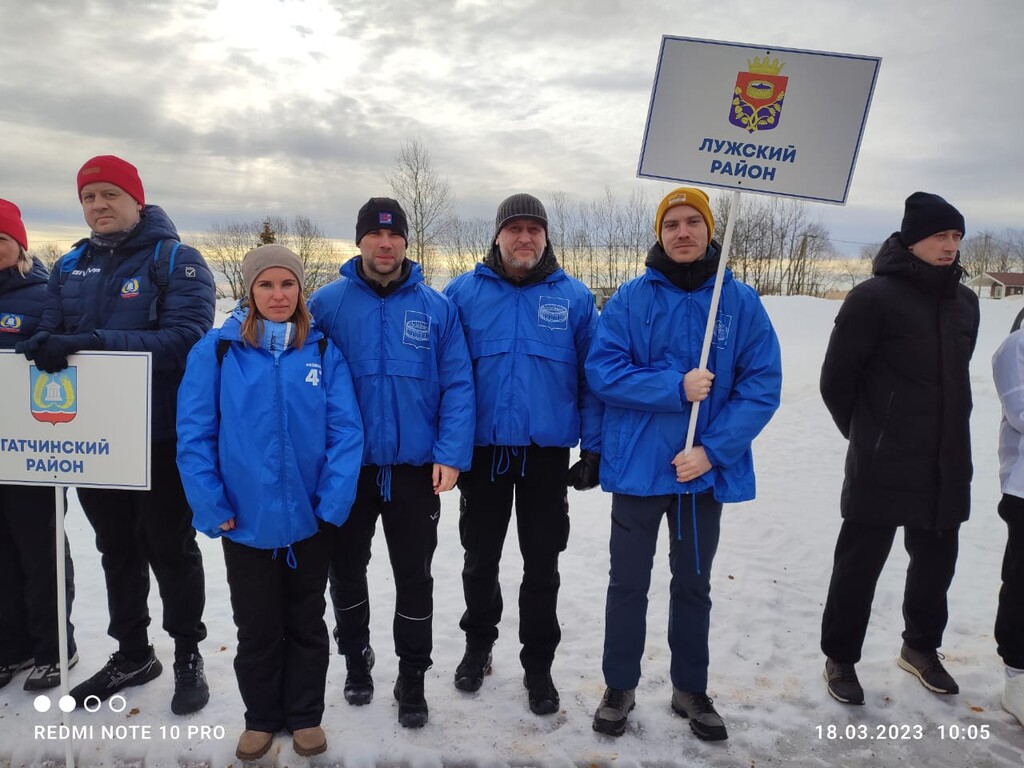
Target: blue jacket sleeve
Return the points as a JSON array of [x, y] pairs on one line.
[[336, 487], [198, 438], [188, 309], [613, 376], [457, 412], [591, 407], [754, 396]]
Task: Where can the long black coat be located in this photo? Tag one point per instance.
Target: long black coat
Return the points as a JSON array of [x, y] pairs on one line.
[[896, 381]]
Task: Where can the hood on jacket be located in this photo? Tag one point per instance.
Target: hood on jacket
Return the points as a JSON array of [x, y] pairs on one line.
[[546, 267], [688, 276], [895, 260]]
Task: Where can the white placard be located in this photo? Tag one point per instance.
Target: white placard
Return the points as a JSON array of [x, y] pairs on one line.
[[774, 120], [88, 425]]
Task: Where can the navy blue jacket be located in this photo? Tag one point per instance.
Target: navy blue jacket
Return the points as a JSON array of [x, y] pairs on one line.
[[22, 300], [110, 291]]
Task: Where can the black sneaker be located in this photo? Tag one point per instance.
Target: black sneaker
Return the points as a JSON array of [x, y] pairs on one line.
[[191, 691], [469, 675], [46, 676], [412, 706], [542, 692], [705, 722], [927, 667], [359, 682], [843, 685], [613, 711], [8, 671], [119, 672]]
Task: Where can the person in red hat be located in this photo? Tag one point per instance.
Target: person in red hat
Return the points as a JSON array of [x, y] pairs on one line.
[[28, 614], [131, 285]]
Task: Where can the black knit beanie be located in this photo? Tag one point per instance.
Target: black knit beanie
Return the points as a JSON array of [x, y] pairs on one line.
[[926, 214], [381, 213], [520, 206]]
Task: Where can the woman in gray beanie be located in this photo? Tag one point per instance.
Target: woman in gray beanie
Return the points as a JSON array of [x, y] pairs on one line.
[[269, 445]]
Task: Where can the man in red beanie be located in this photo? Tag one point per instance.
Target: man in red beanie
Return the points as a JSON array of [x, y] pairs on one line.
[[896, 380], [132, 286]]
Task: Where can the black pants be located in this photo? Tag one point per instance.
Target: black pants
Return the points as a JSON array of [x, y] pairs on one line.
[[861, 551], [283, 647], [410, 521], [139, 530], [1010, 616], [28, 576], [535, 477]]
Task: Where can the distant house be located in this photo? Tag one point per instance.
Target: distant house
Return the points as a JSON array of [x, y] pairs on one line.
[[996, 285]]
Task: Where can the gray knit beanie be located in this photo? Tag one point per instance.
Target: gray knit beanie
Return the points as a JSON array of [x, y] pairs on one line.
[[267, 256], [520, 206]]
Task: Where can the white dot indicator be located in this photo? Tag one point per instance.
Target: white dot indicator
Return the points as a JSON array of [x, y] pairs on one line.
[[66, 703], [42, 703]]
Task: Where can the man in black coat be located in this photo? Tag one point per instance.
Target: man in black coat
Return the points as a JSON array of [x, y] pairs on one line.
[[896, 381]]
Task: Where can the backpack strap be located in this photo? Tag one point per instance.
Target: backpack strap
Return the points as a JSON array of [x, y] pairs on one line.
[[160, 269], [69, 260]]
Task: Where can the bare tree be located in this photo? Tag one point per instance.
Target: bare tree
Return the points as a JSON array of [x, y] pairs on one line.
[[426, 197], [48, 253], [466, 241]]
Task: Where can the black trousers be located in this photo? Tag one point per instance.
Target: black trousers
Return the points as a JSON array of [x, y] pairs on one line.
[[28, 576], [283, 647], [536, 478], [409, 519], [1010, 615], [861, 551], [139, 530]]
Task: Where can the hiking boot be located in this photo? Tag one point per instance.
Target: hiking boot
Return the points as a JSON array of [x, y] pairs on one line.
[[1013, 697], [927, 667], [613, 711], [309, 741], [843, 685], [358, 682], [8, 671], [191, 691], [469, 675], [252, 745], [705, 722], [412, 707], [119, 672], [46, 676], [542, 692]]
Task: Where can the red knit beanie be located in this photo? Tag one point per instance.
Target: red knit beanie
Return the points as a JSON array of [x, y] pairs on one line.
[[10, 223], [112, 170]]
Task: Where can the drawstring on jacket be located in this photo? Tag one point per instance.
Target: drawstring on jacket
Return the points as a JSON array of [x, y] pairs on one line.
[[679, 526], [384, 481], [501, 460], [290, 559]]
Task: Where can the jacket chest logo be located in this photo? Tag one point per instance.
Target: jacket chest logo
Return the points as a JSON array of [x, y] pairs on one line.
[[723, 324], [553, 313], [130, 288], [11, 323], [416, 329]]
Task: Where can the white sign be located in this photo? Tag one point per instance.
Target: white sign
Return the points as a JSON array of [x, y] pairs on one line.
[[88, 425], [774, 120]]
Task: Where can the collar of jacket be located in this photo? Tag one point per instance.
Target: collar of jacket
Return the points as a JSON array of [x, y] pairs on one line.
[[546, 267], [411, 275], [894, 259], [689, 276]]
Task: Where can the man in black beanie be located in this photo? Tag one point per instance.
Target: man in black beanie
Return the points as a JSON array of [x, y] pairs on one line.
[[896, 381]]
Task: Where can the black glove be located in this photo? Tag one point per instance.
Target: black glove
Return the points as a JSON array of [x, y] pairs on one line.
[[53, 354], [583, 475], [30, 346]]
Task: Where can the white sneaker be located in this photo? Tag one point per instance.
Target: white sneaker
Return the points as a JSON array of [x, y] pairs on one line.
[[1013, 697]]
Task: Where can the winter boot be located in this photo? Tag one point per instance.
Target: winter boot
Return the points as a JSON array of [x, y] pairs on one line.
[[359, 682], [253, 745], [613, 711], [119, 672], [542, 692], [191, 691], [705, 722], [927, 667], [1013, 697], [309, 741], [46, 676], [843, 685], [475, 664], [412, 706]]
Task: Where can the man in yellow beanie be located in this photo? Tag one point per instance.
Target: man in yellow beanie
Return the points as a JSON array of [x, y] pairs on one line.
[[643, 365]]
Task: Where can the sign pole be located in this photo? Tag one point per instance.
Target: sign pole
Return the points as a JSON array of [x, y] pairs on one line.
[[62, 613], [705, 351]]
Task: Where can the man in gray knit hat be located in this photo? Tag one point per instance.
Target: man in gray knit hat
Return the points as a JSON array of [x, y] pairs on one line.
[[529, 326]]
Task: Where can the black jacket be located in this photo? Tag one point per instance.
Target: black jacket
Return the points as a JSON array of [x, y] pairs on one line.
[[22, 298], [896, 381]]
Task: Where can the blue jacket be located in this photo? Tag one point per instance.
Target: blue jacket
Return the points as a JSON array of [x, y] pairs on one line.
[[111, 292], [410, 368], [528, 345], [649, 335], [22, 299], [272, 439]]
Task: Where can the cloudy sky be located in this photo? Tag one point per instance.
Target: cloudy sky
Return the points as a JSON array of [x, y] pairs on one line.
[[234, 109]]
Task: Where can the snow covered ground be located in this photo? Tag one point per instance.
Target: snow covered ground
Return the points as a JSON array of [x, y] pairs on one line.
[[769, 583]]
